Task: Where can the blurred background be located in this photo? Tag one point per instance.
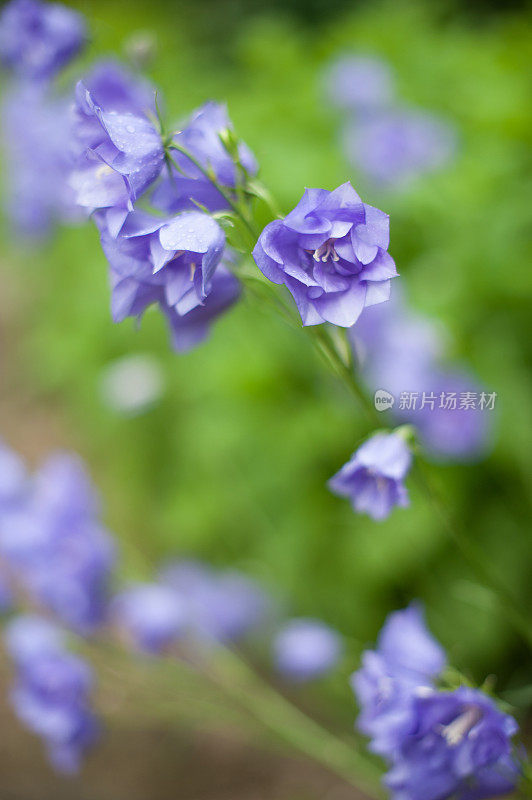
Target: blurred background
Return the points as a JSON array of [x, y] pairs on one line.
[[229, 459]]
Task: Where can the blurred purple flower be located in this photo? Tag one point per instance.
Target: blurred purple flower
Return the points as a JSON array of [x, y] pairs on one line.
[[373, 478], [13, 478], [28, 636], [51, 697], [394, 146], [151, 615], [38, 39], [401, 352], [451, 431], [200, 136], [56, 546], [331, 252], [306, 648], [36, 140], [220, 605], [359, 82], [121, 152], [459, 746]]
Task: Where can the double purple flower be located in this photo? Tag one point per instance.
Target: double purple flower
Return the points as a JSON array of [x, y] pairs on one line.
[[121, 152], [175, 263], [331, 252], [373, 479]]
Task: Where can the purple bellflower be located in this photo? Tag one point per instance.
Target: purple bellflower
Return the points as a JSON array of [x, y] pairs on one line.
[[438, 744], [151, 616], [459, 746], [394, 146], [175, 263], [56, 546], [28, 636], [373, 478], [306, 648], [113, 86], [331, 252], [121, 152], [405, 664], [36, 140], [355, 82], [51, 697], [407, 645], [402, 352], [200, 136], [221, 606], [38, 39]]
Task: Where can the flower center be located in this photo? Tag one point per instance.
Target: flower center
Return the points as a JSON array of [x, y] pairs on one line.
[[458, 729], [325, 251]]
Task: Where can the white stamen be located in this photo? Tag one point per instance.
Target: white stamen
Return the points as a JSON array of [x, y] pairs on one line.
[[458, 729], [326, 251]]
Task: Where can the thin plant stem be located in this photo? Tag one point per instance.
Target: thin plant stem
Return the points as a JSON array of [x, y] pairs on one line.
[[223, 191], [471, 553], [277, 714], [325, 345], [230, 674]]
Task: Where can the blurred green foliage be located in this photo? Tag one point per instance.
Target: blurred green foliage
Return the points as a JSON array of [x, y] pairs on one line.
[[231, 465]]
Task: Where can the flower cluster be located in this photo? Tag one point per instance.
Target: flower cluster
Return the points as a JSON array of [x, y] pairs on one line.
[[400, 351], [437, 743], [163, 202], [173, 255], [51, 692], [56, 558], [389, 143], [52, 541], [373, 478], [37, 40]]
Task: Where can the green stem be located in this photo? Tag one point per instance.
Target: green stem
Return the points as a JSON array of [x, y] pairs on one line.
[[223, 191], [324, 343], [471, 553], [230, 674], [289, 723]]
